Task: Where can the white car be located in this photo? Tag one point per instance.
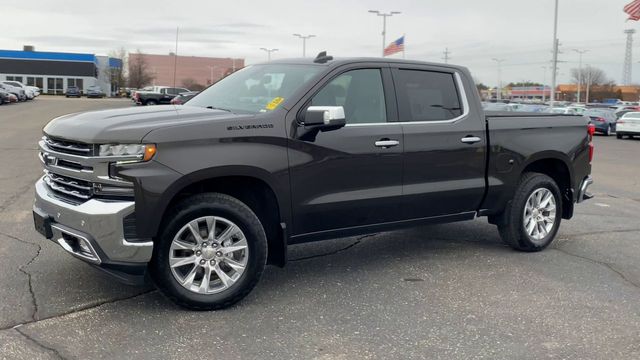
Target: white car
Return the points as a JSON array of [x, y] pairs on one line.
[[27, 91], [629, 125], [562, 110], [36, 90]]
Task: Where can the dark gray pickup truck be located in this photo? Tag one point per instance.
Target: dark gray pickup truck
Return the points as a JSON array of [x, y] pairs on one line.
[[201, 197]]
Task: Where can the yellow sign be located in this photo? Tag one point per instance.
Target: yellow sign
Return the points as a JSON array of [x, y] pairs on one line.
[[274, 103]]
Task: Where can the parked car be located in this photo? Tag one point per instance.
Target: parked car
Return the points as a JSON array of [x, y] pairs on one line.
[[628, 125], [202, 196], [157, 95], [603, 119], [36, 90], [94, 91], [532, 108], [4, 97], [561, 110], [18, 92], [496, 106], [73, 91], [183, 98], [29, 93]]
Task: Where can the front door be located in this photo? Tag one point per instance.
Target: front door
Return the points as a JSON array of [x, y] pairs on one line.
[[351, 176]]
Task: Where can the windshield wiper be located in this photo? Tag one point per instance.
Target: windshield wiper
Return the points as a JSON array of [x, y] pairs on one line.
[[218, 108]]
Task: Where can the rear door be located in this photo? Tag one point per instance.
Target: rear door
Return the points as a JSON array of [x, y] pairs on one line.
[[351, 176], [444, 142]]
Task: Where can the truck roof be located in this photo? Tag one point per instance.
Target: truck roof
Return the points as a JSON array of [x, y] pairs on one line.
[[338, 61]]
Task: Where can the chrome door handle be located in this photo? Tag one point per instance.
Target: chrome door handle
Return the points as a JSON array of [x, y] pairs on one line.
[[387, 143], [470, 139]]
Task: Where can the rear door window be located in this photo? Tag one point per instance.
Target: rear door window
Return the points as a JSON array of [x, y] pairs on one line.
[[427, 95]]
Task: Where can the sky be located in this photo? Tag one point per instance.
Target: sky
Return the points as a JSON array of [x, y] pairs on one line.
[[519, 32]]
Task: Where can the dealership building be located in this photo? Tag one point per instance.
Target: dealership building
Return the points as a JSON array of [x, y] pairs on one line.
[[53, 72]]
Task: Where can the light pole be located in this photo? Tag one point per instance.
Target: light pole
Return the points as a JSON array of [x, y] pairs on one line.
[[580, 52], [499, 92], [269, 51], [304, 42], [554, 72], [586, 100], [544, 84], [384, 24]]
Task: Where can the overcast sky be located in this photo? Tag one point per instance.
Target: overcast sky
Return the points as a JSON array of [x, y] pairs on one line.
[[518, 31]]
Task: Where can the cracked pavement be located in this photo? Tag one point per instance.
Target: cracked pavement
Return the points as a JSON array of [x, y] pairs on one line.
[[444, 291]]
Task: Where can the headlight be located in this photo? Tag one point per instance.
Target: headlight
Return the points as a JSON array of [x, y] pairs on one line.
[[143, 152]]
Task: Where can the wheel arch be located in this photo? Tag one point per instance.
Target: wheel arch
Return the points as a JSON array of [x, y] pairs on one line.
[[557, 166], [253, 186]]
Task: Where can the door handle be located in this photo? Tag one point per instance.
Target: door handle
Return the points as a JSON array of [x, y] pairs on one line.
[[386, 143], [470, 139]]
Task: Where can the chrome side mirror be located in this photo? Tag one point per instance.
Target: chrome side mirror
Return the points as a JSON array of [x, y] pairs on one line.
[[325, 117]]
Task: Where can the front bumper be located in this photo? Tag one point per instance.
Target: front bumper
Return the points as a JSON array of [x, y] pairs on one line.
[[97, 224]]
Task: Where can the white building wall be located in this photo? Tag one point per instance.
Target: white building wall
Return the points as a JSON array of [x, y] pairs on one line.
[[86, 81]]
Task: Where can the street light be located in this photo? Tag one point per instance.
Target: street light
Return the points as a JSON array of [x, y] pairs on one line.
[[554, 61], [269, 51], [384, 24], [580, 52], [304, 42], [499, 62]]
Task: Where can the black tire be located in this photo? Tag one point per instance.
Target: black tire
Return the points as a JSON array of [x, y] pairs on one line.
[[206, 205], [618, 136], [607, 131], [150, 102], [512, 230]]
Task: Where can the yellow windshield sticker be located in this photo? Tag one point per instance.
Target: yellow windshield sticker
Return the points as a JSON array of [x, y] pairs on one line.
[[274, 103]]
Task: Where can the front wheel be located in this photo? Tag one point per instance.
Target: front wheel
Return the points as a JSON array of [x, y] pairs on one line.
[[618, 136], [150, 102], [211, 253], [533, 216]]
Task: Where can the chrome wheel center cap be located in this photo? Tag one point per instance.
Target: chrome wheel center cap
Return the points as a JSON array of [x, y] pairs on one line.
[[208, 253]]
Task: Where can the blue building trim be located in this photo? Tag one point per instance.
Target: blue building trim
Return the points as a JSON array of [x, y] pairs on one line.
[[115, 63], [41, 55]]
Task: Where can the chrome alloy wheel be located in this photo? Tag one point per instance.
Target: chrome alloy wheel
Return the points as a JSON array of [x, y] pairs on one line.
[[539, 214], [208, 255]]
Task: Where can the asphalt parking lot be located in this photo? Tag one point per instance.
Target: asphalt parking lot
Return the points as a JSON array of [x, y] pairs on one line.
[[445, 291]]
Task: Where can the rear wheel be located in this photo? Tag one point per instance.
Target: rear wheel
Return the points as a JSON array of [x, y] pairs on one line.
[[607, 131], [211, 253], [533, 216], [150, 102], [618, 136]]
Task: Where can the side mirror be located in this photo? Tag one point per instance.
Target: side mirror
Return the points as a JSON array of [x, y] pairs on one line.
[[325, 117]]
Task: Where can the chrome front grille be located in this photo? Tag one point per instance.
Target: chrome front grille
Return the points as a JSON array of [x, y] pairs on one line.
[[75, 173], [69, 147], [68, 186]]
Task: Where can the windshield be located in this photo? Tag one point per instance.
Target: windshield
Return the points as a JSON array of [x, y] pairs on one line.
[[257, 88]]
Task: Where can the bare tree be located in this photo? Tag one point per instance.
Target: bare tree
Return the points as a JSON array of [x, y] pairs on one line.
[[139, 73], [589, 74], [117, 75], [192, 84]]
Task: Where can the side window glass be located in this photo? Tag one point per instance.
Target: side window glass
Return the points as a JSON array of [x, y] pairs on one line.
[[427, 96], [361, 94]]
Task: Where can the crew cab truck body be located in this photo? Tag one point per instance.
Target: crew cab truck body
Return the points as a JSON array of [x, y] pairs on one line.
[[157, 95], [202, 196]]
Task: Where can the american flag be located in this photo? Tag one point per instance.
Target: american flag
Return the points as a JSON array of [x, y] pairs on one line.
[[633, 9], [398, 46]]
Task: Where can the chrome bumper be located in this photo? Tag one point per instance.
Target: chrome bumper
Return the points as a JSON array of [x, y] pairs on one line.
[[98, 223], [583, 194]]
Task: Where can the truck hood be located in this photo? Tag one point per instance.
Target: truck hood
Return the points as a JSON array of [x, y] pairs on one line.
[[128, 124]]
